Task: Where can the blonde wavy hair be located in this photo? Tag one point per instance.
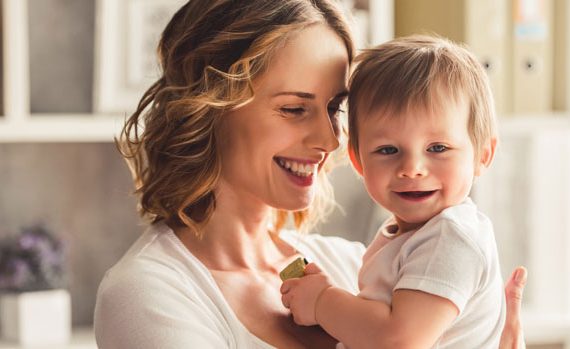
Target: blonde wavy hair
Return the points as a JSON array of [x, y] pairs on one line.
[[210, 52], [421, 70]]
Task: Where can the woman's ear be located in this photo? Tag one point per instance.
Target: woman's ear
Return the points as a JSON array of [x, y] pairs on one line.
[[487, 156], [354, 160]]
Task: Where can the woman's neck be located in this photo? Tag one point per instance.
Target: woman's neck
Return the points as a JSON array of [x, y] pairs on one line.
[[236, 237]]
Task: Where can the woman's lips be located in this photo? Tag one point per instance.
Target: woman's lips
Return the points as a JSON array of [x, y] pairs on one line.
[[300, 181], [303, 180]]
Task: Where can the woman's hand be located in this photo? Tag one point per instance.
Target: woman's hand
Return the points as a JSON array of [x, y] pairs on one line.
[[300, 295], [512, 337]]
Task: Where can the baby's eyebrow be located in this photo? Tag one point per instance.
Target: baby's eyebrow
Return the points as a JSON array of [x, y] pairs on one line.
[[342, 94]]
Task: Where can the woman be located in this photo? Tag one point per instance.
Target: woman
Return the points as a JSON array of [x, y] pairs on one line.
[[229, 142]]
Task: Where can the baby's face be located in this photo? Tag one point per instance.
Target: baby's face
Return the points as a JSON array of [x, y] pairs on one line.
[[419, 162]]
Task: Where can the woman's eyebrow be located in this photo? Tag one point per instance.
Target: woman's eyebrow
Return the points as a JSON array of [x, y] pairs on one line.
[[299, 94], [307, 95]]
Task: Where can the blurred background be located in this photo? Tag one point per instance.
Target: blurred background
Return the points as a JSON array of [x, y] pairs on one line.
[[72, 70]]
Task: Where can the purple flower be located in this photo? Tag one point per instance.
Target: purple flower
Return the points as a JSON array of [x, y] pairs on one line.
[[34, 260], [21, 273], [28, 241]]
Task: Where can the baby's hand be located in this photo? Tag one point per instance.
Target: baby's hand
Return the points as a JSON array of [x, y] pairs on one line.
[[300, 295]]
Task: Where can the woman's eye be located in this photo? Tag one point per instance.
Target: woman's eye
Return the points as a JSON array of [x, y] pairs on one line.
[[293, 110], [438, 148], [388, 150]]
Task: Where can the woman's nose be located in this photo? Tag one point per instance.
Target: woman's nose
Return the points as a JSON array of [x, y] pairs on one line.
[[324, 134], [412, 166]]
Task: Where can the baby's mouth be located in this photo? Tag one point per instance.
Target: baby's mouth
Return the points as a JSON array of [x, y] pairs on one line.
[[416, 194]]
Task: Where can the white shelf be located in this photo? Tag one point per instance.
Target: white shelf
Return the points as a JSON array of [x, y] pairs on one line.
[[546, 328], [82, 338], [61, 128]]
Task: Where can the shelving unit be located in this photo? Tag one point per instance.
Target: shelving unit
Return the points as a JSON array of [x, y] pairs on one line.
[[19, 125]]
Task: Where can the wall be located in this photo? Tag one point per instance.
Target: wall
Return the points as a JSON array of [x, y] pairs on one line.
[[80, 191]]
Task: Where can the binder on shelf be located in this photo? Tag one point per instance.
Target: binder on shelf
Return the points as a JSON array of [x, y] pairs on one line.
[[2, 87], [561, 52], [481, 24], [532, 56]]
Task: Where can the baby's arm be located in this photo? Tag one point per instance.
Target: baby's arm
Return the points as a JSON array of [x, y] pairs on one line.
[[415, 320]]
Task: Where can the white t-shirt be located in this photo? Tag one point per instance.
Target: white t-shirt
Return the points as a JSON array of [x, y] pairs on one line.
[[160, 296], [454, 255]]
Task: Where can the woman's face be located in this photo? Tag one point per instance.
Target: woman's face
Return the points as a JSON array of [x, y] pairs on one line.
[[273, 147]]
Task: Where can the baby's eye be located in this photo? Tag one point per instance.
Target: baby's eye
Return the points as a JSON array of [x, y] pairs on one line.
[[334, 110], [438, 148], [387, 150]]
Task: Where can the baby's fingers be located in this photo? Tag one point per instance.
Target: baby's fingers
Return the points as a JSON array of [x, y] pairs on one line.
[[287, 285], [312, 268], [285, 300]]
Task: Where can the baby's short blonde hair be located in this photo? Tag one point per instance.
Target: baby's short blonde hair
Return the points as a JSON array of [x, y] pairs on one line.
[[421, 71]]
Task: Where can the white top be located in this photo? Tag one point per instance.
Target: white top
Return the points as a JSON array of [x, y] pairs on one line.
[[160, 296], [454, 256]]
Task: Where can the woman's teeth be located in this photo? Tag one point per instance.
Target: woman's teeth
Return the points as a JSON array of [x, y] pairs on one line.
[[298, 169]]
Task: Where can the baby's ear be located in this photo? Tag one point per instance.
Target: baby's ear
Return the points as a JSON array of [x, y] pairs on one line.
[[354, 159], [487, 155]]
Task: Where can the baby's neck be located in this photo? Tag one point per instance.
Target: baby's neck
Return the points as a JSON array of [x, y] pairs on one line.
[[404, 227]]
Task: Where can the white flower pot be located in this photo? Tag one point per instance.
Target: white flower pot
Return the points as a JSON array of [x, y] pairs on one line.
[[32, 318]]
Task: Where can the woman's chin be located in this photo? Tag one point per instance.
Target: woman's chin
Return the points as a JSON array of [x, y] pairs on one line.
[[298, 204]]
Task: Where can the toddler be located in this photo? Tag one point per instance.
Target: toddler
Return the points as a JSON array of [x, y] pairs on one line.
[[421, 128]]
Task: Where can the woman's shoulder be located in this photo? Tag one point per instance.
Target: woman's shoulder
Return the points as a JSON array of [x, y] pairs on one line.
[[158, 285], [156, 261]]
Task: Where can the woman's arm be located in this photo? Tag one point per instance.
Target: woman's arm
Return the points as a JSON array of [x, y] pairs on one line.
[[512, 337]]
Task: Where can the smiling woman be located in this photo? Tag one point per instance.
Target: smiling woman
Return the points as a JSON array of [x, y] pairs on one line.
[[290, 126], [236, 136], [230, 142]]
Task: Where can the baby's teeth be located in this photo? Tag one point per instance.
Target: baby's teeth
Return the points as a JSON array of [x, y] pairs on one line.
[[295, 167]]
